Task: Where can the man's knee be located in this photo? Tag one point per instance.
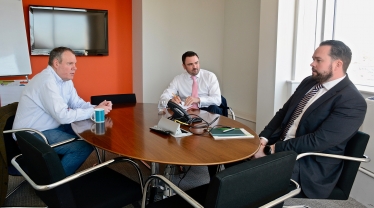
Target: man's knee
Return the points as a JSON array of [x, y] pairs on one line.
[[214, 109]]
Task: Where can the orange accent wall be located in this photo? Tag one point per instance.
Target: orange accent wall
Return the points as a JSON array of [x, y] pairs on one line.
[[97, 75]]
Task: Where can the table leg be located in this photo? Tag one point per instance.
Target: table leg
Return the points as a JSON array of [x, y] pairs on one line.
[[154, 188]]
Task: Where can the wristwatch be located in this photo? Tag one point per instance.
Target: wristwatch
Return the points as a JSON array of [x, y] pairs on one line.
[[267, 150]]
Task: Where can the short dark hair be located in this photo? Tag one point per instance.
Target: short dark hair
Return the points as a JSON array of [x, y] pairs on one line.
[[56, 54], [339, 51], [188, 54]]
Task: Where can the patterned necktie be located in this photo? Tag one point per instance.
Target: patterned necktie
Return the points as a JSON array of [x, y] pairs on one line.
[[195, 88], [300, 108]]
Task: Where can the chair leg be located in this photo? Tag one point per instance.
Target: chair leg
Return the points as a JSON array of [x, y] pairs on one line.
[[146, 164], [98, 154], [103, 155], [15, 189]]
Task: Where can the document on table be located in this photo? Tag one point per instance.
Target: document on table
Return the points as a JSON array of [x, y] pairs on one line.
[[184, 107], [237, 133]]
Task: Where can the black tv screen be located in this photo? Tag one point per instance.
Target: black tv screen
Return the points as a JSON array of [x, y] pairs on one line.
[[85, 31]]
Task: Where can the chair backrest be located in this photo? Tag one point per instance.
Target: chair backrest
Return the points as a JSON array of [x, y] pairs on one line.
[[355, 148], [225, 108], [8, 148], [115, 98], [44, 167], [252, 183]]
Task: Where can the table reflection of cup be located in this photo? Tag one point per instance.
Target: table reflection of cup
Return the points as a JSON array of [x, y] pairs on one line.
[[98, 128]]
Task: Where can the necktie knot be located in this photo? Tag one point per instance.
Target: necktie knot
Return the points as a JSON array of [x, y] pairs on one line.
[[318, 87]]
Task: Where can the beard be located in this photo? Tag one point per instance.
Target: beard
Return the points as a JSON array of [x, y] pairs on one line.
[[322, 77]]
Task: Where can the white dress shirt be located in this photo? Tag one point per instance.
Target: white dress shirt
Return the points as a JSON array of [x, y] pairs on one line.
[[47, 102], [209, 91]]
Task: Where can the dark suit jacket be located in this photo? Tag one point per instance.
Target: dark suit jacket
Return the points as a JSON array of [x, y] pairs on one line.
[[326, 126]]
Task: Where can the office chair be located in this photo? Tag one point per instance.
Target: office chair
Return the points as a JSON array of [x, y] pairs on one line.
[[226, 109], [114, 98], [98, 186], [260, 182], [9, 149], [353, 156]]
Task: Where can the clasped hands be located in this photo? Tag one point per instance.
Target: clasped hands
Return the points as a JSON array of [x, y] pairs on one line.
[[106, 105], [260, 153], [189, 100]]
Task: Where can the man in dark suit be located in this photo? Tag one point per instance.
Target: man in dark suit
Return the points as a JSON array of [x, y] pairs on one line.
[[324, 122]]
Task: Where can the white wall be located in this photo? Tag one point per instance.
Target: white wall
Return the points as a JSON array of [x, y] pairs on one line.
[[224, 33], [240, 56], [170, 28], [275, 58]]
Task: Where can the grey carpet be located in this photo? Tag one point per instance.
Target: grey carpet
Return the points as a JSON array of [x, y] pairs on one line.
[[197, 175]]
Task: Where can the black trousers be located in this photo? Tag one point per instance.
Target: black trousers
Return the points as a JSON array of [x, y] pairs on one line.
[[213, 109]]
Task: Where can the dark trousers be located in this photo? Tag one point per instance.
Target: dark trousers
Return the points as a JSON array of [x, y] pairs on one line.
[[213, 109]]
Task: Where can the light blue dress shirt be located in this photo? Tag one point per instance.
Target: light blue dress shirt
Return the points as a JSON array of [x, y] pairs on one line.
[[47, 102]]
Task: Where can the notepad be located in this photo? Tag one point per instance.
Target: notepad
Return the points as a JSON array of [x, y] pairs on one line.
[[238, 133]]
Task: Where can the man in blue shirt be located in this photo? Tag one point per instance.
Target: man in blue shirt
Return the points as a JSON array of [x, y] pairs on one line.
[[49, 103]]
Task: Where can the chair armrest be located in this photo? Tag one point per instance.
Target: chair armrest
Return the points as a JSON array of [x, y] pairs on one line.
[[42, 135], [27, 129], [76, 175], [284, 197], [232, 113], [177, 190], [365, 158]]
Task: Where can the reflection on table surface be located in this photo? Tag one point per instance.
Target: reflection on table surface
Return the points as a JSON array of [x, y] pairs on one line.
[[129, 135]]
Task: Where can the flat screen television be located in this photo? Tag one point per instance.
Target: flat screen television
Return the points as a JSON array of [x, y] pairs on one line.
[[85, 31]]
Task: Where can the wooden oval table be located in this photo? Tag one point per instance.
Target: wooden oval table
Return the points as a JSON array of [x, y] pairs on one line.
[[130, 136]]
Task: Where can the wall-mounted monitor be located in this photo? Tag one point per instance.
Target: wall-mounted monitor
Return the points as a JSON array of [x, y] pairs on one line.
[[85, 31]]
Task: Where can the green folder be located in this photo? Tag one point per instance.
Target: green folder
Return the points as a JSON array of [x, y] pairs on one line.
[[219, 132]]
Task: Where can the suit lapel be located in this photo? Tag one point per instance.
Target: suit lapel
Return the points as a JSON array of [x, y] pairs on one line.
[[297, 96], [329, 94]]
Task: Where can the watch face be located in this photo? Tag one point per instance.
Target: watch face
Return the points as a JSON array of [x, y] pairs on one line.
[[267, 150]]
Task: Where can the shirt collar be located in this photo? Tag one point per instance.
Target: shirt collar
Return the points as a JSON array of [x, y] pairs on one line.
[[55, 75], [331, 84]]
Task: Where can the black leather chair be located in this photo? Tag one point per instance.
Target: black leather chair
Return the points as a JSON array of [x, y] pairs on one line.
[[99, 186], [8, 149], [353, 156], [255, 183], [225, 108], [114, 98]]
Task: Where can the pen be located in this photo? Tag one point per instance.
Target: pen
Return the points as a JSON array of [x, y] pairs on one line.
[[181, 122], [227, 130]]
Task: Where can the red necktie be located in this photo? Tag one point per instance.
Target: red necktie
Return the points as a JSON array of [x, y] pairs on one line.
[[195, 89]]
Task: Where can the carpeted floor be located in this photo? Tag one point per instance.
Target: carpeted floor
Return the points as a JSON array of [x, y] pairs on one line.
[[197, 175]]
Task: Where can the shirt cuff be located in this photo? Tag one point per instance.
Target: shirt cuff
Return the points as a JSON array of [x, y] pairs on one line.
[[264, 139]]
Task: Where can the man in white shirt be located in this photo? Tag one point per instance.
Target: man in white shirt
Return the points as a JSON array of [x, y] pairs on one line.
[[322, 115], [209, 93], [49, 103], [180, 88]]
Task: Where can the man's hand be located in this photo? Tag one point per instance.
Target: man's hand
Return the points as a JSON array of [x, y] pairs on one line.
[[189, 100], [176, 99], [260, 152], [106, 105], [108, 122]]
